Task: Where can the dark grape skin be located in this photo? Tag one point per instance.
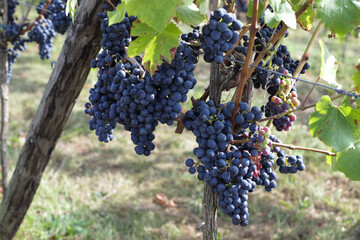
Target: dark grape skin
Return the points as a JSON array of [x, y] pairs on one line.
[[282, 63], [231, 182], [60, 20], [56, 13], [43, 34], [232, 174], [219, 35], [137, 102], [212, 139]]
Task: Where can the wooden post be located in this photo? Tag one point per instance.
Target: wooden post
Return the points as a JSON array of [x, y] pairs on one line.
[[66, 81], [210, 198]]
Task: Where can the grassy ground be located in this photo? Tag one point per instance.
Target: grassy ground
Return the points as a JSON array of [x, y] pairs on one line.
[[92, 190]]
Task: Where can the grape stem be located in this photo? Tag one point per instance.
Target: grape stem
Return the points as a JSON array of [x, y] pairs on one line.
[[295, 110], [246, 74], [276, 37], [109, 2], [292, 147], [241, 34], [27, 13], [306, 54], [242, 76], [308, 95], [180, 126], [232, 6], [41, 15]]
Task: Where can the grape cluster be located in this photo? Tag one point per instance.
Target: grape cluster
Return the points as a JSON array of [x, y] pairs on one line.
[[101, 98], [289, 164], [136, 106], [104, 96], [60, 20], [242, 6], [11, 10], [18, 44], [173, 82], [281, 60], [117, 36], [56, 13], [43, 34], [219, 35], [282, 90], [232, 170], [227, 172], [127, 95], [130, 96], [195, 35], [284, 101]]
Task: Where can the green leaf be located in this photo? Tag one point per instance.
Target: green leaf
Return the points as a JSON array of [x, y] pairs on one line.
[[203, 6], [340, 16], [348, 162], [336, 126], [328, 67], [306, 19], [282, 11], [331, 160], [356, 79], [158, 46], [190, 15], [71, 8], [250, 9], [118, 15], [155, 13]]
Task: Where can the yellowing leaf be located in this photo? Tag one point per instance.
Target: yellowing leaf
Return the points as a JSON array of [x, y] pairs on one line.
[[71, 8], [118, 15], [158, 46], [306, 19]]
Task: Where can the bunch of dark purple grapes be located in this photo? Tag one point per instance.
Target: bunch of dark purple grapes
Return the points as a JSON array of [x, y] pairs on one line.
[[219, 35]]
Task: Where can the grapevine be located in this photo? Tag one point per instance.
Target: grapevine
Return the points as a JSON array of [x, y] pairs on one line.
[[235, 152], [146, 71], [51, 19]]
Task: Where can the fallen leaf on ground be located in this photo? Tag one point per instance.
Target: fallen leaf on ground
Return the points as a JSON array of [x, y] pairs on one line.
[[163, 201]]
